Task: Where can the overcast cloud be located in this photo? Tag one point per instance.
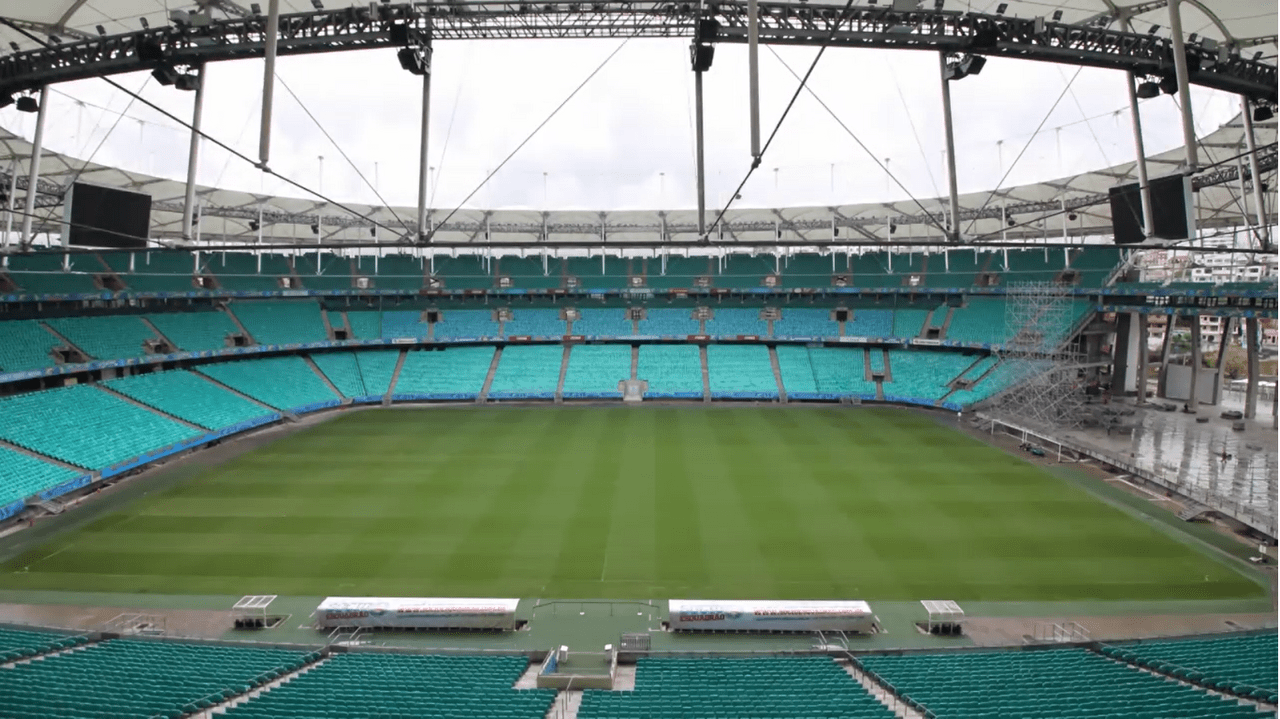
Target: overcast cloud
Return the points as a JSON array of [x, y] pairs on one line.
[[626, 140]]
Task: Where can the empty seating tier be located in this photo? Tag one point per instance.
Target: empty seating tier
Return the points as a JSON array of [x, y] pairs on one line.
[[195, 331], [762, 688], [455, 373], [535, 323], [25, 345], [286, 383], [908, 322], [403, 323], [43, 274], [922, 376], [669, 322], [871, 323], [334, 274], [343, 372], [1042, 685], [155, 271], [457, 324], [1243, 665], [190, 397], [596, 370], [742, 371], [272, 322], [393, 272], [841, 372], [377, 367], [110, 337], [85, 426], [671, 370], [403, 685], [239, 271], [797, 372], [805, 322], [364, 324], [19, 643], [527, 371], [22, 476], [732, 321], [606, 322], [982, 319], [126, 678]]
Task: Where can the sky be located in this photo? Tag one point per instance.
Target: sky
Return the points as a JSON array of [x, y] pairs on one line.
[[625, 140]]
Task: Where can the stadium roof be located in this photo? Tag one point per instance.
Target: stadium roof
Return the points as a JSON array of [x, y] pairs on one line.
[[1037, 209]]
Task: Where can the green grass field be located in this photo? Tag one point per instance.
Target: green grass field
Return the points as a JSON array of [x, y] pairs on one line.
[[628, 503]]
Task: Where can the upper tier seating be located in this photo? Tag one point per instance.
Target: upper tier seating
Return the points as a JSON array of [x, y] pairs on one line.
[[1094, 264], [129, 678], [190, 397], [86, 426], [982, 319], [596, 370], [745, 271], [527, 371], [871, 323], [109, 337], [758, 687], [393, 272], [593, 275], [152, 271], [403, 685], [22, 476], [1244, 665], [335, 271], [238, 271], [923, 375], [955, 268], [807, 270], [733, 321], [285, 383], [740, 371], [671, 370], [281, 322], [195, 331], [465, 272], [1050, 683], [680, 272], [603, 322], [404, 323], [25, 345], [805, 322], [841, 371], [669, 322], [1029, 265], [455, 324], [18, 643], [526, 273], [364, 324], [534, 323], [42, 273], [455, 373]]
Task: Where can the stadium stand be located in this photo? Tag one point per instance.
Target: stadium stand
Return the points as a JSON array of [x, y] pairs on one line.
[[527, 371], [805, 322], [669, 322], [189, 397], [343, 371], [25, 345], [680, 272], [286, 383], [671, 370], [85, 426], [841, 372], [1243, 665], [1030, 265], [404, 323], [394, 272], [281, 322], [403, 685], [238, 271], [160, 272], [1095, 264], [807, 270], [876, 355], [741, 371], [455, 324], [733, 321], [108, 337], [131, 678], [377, 367], [22, 476], [535, 323], [758, 687], [796, 372], [195, 331], [958, 268], [455, 373], [526, 273], [871, 323], [335, 271], [922, 375], [604, 322], [745, 272], [982, 319], [908, 322], [20, 643], [596, 370], [1050, 683], [43, 273], [364, 324], [465, 272], [997, 380]]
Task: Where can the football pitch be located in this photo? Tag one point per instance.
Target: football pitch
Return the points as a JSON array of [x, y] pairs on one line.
[[623, 502]]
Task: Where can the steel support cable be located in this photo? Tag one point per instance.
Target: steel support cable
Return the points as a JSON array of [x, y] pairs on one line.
[[529, 137], [342, 152], [1237, 201], [1023, 151], [1087, 124], [914, 132], [448, 133], [210, 138], [936, 223]]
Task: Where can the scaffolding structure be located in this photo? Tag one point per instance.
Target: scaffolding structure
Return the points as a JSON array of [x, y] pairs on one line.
[[1047, 387]]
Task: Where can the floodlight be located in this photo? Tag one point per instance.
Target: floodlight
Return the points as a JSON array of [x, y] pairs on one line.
[[187, 82], [55, 39], [180, 17], [6, 100], [27, 103], [1057, 16], [315, 228], [165, 75], [101, 30], [1010, 221], [1147, 90], [1169, 84], [1153, 30], [255, 8], [143, 22], [1262, 113], [1257, 56], [253, 225], [317, 4], [1072, 217], [892, 228], [937, 4], [1192, 38], [1001, 8], [373, 231], [412, 61], [15, 47]]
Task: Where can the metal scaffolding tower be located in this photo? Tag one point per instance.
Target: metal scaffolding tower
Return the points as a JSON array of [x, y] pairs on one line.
[[1047, 389]]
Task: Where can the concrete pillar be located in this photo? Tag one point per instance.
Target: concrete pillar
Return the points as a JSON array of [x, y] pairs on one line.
[[1165, 348], [1223, 344], [1252, 337], [1193, 400], [1143, 335]]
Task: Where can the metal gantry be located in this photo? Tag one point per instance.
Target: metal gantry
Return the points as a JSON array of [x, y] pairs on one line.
[[1045, 375]]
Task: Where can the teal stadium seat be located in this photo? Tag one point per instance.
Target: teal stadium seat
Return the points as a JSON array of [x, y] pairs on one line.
[[404, 324], [456, 373], [596, 370], [281, 322], [535, 323], [42, 273], [364, 324], [393, 272], [1243, 662], [982, 319], [672, 371], [108, 337], [25, 345], [741, 371], [465, 272], [153, 271], [841, 372], [805, 322], [286, 383], [734, 321], [603, 322], [22, 476], [190, 397], [457, 324], [334, 274], [527, 371], [669, 322], [195, 331], [922, 375], [240, 271]]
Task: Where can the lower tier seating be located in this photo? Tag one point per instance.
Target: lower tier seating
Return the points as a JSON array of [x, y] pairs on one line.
[[25, 345], [189, 397], [19, 643], [343, 371], [85, 426], [455, 373], [377, 367], [286, 383], [527, 371], [761, 688], [671, 370], [403, 685], [1057, 684], [195, 331], [842, 372], [740, 371], [1241, 664], [923, 375], [871, 323], [22, 476], [596, 370], [128, 678], [364, 324]]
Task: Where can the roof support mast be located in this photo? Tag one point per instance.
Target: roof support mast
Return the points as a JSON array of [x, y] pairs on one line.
[[701, 53], [1264, 229], [1184, 85], [33, 174], [753, 76], [423, 169], [193, 159], [1135, 115], [268, 81], [10, 201], [953, 232]]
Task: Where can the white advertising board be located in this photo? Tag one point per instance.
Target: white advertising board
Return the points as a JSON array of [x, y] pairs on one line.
[[786, 616], [417, 612]]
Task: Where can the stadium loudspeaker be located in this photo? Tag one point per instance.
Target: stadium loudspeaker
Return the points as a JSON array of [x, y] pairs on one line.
[[1126, 214], [411, 61], [708, 30], [1173, 208], [700, 56]]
